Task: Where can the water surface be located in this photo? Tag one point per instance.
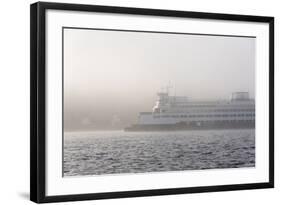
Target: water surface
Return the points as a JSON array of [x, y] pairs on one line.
[[112, 152]]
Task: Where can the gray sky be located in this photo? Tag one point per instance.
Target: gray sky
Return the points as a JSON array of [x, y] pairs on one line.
[[111, 76]]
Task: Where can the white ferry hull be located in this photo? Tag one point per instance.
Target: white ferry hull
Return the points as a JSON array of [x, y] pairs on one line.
[[178, 113], [193, 126]]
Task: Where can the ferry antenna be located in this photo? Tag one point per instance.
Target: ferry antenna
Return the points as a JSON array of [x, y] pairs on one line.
[[168, 87]]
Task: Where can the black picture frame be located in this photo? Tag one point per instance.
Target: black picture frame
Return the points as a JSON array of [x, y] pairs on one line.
[[38, 101]]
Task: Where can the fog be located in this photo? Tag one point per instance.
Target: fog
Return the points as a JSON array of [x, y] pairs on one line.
[[111, 76]]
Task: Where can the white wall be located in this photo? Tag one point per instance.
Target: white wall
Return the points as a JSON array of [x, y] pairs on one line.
[[14, 108]]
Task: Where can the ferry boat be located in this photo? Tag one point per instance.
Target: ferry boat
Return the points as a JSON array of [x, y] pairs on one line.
[[180, 113]]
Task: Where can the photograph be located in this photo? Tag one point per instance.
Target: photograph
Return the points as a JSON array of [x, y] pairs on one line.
[[134, 102], [141, 101]]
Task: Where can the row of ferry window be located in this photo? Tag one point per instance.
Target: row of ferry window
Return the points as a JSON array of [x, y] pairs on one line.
[[210, 105], [222, 115], [224, 110]]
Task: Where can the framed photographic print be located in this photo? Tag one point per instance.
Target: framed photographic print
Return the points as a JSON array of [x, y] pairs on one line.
[[129, 102]]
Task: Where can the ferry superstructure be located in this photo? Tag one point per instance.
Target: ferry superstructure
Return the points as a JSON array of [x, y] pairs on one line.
[[180, 113]]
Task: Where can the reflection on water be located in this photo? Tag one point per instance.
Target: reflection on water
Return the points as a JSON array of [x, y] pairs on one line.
[[114, 152]]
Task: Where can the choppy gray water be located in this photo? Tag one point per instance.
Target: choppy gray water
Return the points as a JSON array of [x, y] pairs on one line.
[[114, 152]]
